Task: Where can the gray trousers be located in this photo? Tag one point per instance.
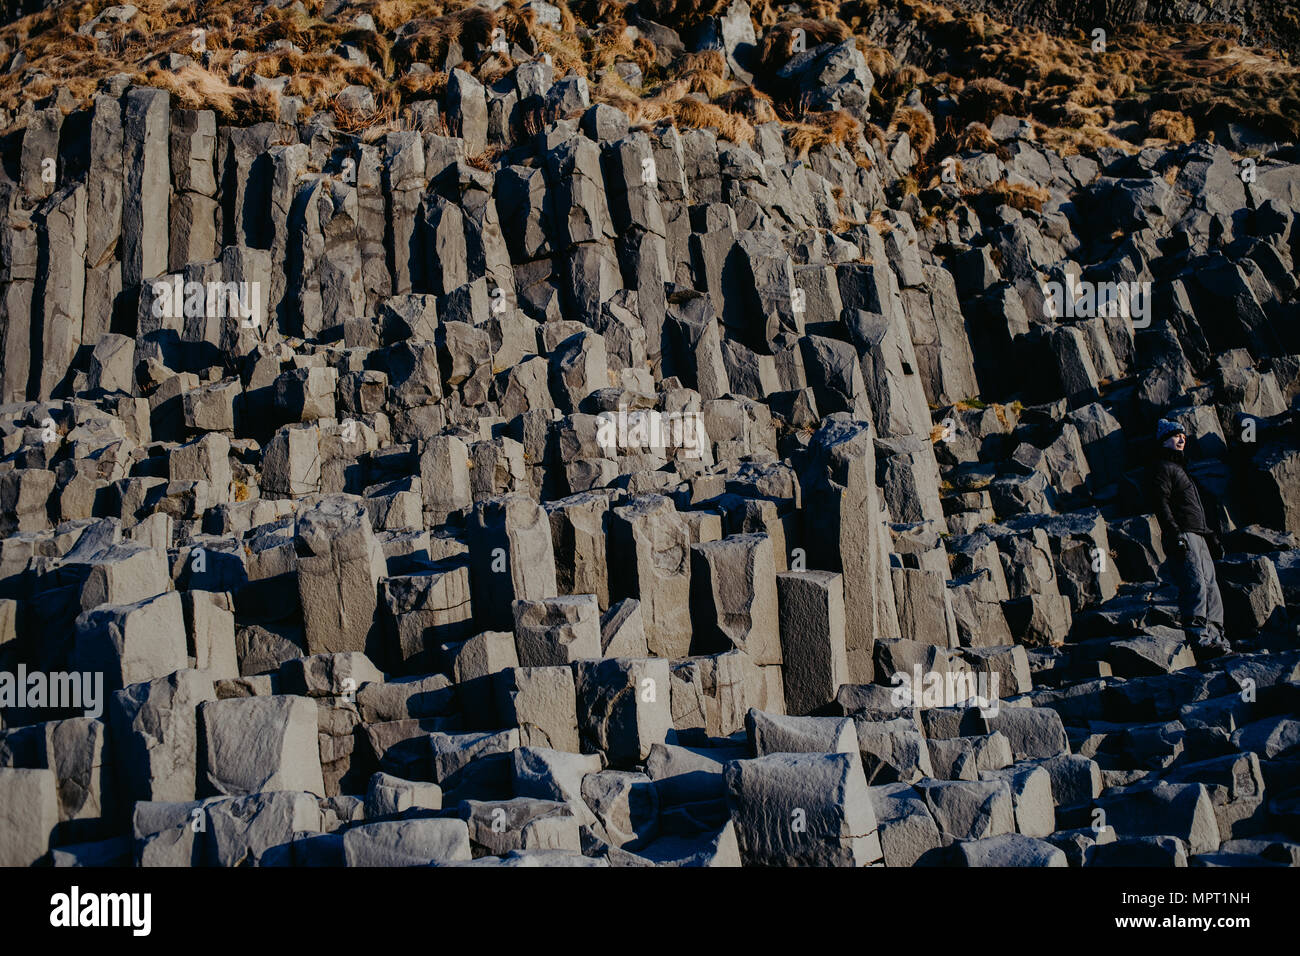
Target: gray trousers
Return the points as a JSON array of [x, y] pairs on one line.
[[1199, 599]]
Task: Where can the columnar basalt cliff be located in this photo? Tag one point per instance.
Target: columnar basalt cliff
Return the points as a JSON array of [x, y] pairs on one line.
[[643, 434]]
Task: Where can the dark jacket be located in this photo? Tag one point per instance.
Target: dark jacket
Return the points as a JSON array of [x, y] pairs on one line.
[[1175, 497]]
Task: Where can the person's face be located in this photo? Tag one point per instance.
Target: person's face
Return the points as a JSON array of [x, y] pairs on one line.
[[1179, 441]]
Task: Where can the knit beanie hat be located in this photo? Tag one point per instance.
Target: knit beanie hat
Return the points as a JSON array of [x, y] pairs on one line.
[[1166, 429]]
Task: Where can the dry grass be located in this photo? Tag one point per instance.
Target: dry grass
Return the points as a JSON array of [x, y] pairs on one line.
[[919, 128], [1018, 195], [1173, 126], [976, 138], [1175, 82], [751, 103], [369, 125], [822, 129], [986, 97], [777, 45], [193, 87], [694, 114], [1085, 139], [485, 160]]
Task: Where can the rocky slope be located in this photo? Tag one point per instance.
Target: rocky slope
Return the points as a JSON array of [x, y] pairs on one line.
[[1273, 24], [714, 436]]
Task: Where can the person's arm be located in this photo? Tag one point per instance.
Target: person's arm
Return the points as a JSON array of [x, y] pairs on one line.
[[1162, 488], [1211, 509]]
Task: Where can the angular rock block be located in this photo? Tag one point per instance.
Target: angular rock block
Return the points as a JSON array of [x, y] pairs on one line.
[[328, 675], [558, 630], [444, 476], [734, 599], [547, 774], [407, 843], [1182, 810], [510, 558], [892, 750], [339, 565], [622, 631], [473, 665], [845, 528], [965, 758], [1009, 849], [430, 695], [76, 751], [29, 812], [968, 810], [256, 744], [251, 830], [542, 703], [578, 533], [802, 810], [425, 610], [156, 738], [1236, 786], [624, 707], [146, 153], [772, 734], [714, 692], [475, 766], [907, 830], [653, 545], [124, 573], [812, 638], [171, 834], [1076, 780], [627, 806], [131, 643], [387, 795], [1034, 732], [1031, 798], [291, 462], [498, 827]]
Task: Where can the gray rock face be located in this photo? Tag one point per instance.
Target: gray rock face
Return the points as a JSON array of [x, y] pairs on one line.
[[510, 554], [522, 824], [624, 707], [525, 480], [146, 125], [551, 775], [1011, 849], [733, 583], [130, 643], [557, 631], [406, 843], [626, 805], [155, 735], [969, 810], [802, 810], [654, 568], [31, 811], [250, 831], [542, 703], [260, 744], [845, 533], [812, 622], [339, 565]]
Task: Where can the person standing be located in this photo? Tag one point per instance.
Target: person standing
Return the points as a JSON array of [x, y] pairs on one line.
[[1185, 534]]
